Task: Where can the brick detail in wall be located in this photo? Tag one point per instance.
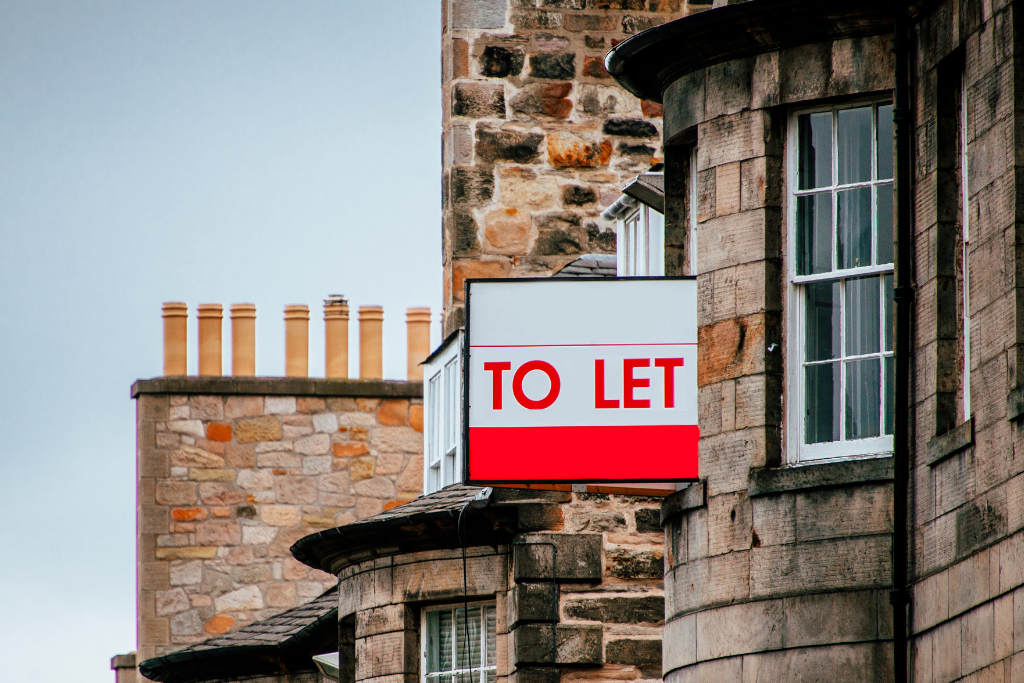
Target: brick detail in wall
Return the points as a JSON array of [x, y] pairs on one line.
[[537, 137], [226, 486]]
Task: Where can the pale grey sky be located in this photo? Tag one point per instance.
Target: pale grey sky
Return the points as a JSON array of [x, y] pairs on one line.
[[226, 151]]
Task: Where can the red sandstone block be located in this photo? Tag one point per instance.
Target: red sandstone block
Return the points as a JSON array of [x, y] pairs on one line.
[[416, 417], [218, 431], [188, 514], [221, 623], [345, 449], [391, 504], [594, 67], [651, 109]]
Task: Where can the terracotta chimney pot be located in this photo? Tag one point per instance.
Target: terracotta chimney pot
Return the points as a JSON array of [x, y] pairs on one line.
[[296, 340], [210, 323], [417, 325], [371, 353], [175, 314], [243, 340], [336, 337]]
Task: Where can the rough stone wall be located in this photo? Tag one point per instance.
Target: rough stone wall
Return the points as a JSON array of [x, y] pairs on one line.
[[537, 137], [227, 483], [772, 573], [610, 603], [968, 481]]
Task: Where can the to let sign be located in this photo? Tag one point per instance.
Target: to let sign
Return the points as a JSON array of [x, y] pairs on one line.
[[581, 380]]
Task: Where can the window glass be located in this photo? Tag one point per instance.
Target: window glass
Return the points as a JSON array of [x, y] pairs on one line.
[[842, 283]]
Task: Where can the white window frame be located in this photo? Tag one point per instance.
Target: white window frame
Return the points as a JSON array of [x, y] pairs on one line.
[[425, 637], [797, 451], [442, 408], [641, 243]]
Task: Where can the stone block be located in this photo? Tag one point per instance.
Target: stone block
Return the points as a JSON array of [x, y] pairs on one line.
[[196, 474], [557, 66], [639, 652], [478, 100], [733, 138], [1011, 563], [728, 87], [477, 14], [578, 557], [176, 492], [531, 602], [729, 523], [280, 515], [575, 644], [628, 563], [567, 149], [499, 62], [680, 643], [931, 601], [821, 565], [543, 99], [265, 428], [774, 520], [385, 619], [619, 609], [843, 512], [739, 629], [827, 618], [186, 553], [946, 651], [978, 638], [1003, 627], [969, 583], [845, 663], [707, 582], [730, 669]]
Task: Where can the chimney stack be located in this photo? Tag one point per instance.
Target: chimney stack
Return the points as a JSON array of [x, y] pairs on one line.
[[296, 340], [210, 317], [417, 323], [371, 353], [336, 337], [243, 340], [175, 314]]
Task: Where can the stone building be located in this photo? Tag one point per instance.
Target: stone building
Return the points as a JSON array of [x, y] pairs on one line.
[[538, 139], [783, 158]]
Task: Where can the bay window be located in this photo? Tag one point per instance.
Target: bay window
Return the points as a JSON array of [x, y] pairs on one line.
[[457, 649]]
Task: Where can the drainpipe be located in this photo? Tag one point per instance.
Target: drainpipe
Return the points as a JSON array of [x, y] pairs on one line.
[[904, 297]]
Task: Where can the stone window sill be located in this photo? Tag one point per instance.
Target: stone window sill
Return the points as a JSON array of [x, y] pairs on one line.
[[690, 498], [768, 480], [956, 439]]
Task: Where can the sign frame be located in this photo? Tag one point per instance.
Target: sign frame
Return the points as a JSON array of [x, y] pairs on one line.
[[466, 350]]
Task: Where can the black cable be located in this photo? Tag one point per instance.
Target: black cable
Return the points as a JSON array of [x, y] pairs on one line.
[[465, 596]]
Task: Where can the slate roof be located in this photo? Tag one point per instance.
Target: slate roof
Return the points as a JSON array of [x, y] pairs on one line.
[[280, 644], [590, 265]]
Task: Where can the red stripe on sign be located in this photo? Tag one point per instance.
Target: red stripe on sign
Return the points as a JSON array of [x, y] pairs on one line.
[[583, 454]]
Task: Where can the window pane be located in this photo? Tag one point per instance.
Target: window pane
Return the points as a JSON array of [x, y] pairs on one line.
[[821, 398], [887, 317], [822, 321], [815, 141], [468, 656], [883, 224], [885, 136], [863, 384], [862, 316], [444, 641], [490, 656], [854, 224], [853, 135], [814, 234], [890, 392]]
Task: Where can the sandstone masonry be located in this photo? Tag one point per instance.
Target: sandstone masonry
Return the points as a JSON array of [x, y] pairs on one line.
[[228, 480]]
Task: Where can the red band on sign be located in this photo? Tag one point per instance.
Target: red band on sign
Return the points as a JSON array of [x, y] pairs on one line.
[[544, 454]]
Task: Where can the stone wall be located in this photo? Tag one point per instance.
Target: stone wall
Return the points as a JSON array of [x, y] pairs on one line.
[[232, 472], [967, 617], [537, 137], [610, 599]]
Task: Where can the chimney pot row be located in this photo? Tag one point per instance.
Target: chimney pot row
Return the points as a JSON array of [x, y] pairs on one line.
[[296, 321]]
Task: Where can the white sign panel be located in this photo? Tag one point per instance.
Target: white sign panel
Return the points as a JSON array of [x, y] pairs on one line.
[[586, 380]]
